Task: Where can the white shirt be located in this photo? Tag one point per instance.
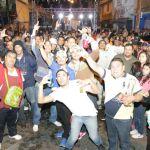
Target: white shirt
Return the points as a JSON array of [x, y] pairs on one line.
[[75, 99], [105, 56], [127, 85]]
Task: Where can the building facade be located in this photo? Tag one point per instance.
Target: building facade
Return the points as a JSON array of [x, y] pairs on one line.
[[145, 15], [106, 13], [130, 14]]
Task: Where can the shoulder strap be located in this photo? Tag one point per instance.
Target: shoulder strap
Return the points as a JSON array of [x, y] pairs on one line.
[[6, 78], [19, 77]]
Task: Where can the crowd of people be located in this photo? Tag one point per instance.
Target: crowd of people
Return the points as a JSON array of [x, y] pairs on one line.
[[78, 72]]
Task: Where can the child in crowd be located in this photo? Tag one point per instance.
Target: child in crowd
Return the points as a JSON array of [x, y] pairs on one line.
[[145, 83], [139, 108]]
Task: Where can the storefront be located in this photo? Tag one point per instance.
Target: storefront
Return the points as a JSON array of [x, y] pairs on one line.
[[145, 21]]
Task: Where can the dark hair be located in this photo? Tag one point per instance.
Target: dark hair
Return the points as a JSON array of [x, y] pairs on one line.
[[128, 44], [117, 59], [101, 41], [147, 56], [61, 36], [63, 71], [136, 69], [148, 76]]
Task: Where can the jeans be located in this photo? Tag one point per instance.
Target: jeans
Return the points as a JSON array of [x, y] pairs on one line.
[[139, 121], [31, 97], [118, 130], [53, 110], [92, 127]]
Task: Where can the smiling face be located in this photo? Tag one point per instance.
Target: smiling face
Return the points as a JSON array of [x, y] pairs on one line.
[[48, 47], [143, 58], [9, 45], [61, 58], [75, 54], [117, 69], [61, 41], [146, 70], [128, 51], [18, 49], [102, 45], [71, 42], [10, 59], [62, 78]]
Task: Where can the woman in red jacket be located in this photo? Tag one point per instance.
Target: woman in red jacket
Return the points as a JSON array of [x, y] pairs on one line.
[[9, 76]]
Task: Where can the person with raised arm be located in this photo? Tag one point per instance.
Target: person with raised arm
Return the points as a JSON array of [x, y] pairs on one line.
[[121, 91], [73, 95]]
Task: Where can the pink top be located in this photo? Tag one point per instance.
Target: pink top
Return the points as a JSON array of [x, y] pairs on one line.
[[145, 85]]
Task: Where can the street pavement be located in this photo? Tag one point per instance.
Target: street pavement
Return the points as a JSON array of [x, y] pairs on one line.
[[45, 138]]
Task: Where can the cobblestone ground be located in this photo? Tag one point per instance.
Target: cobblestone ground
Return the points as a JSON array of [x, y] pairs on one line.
[[45, 139]]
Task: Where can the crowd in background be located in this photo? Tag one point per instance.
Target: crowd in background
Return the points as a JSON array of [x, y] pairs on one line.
[[44, 52]]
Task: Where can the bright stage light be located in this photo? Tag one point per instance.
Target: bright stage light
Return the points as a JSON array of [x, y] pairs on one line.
[[70, 16], [60, 16], [81, 16], [90, 16]]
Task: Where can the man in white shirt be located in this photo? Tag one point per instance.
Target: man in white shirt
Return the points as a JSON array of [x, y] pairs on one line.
[[121, 91], [73, 95]]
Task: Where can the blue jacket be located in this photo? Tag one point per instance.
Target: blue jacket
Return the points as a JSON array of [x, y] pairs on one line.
[[28, 66], [55, 67]]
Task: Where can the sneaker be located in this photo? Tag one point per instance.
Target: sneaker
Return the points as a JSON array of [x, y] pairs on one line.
[[59, 134], [58, 124], [26, 108], [137, 136], [81, 135], [35, 128], [63, 142], [16, 137], [133, 132]]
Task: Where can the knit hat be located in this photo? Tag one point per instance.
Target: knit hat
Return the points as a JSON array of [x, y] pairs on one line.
[[18, 42]]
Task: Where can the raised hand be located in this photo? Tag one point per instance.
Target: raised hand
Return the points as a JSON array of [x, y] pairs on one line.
[[58, 24], [36, 26], [89, 31], [3, 33], [45, 80]]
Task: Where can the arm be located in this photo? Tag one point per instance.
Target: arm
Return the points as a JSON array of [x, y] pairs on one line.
[[91, 86], [41, 98], [45, 56], [93, 64], [128, 99], [36, 27]]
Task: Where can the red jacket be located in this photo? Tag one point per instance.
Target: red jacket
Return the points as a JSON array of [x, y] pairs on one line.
[[13, 81]]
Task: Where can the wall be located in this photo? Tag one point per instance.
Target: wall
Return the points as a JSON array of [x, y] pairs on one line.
[[22, 9], [105, 10]]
